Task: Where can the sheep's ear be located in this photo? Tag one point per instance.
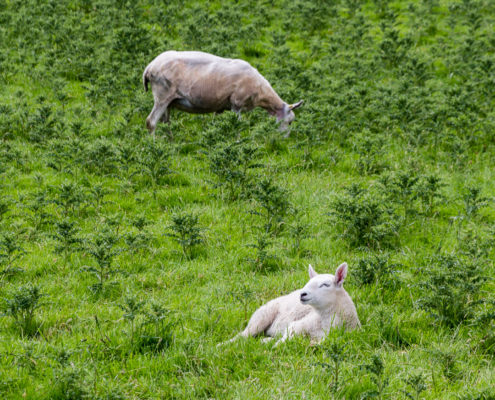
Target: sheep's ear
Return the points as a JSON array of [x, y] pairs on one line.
[[340, 274], [312, 272], [296, 105]]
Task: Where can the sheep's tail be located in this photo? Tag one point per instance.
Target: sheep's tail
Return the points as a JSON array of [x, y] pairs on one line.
[[146, 78]]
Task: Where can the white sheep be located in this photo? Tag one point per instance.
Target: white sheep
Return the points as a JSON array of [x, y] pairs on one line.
[[320, 305], [198, 82]]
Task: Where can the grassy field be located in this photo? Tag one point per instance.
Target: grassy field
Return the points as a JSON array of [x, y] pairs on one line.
[[124, 261]]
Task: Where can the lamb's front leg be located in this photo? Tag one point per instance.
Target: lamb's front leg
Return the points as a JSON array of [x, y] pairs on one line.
[[294, 328], [310, 325]]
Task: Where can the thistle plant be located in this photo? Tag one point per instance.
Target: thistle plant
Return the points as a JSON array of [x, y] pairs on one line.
[[273, 202], [21, 305], [417, 384], [149, 326], [186, 231], [376, 369], [336, 354], [450, 289], [10, 251], [363, 218], [262, 259], [132, 308], [428, 191], [153, 160], [103, 248], [243, 294], [69, 197], [231, 164], [474, 201], [66, 236], [37, 213]]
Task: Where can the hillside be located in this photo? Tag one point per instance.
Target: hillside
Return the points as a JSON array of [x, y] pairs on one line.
[[124, 261]]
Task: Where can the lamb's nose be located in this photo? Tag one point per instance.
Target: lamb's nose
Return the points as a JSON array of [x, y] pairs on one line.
[[303, 295]]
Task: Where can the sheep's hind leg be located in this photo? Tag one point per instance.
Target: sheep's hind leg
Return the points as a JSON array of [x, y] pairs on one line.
[[159, 109], [166, 120], [260, 321]]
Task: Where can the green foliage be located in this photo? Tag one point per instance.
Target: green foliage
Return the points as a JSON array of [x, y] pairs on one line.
[[273, 202], [186, 232], [153, 162], [417, 384], [451, 289], [68, 242], [376, 371], [10, 251], [231, 164], [335, 353], [363, 218], [474, 202], [376, 269], [398, 101], [149, 329], [103, 248], [262, 260], [21, 304]]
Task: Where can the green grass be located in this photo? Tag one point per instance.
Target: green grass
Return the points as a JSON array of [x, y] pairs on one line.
[[397, 94]]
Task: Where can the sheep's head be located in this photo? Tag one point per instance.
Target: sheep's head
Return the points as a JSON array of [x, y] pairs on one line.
[[286, 116], [322, 290]]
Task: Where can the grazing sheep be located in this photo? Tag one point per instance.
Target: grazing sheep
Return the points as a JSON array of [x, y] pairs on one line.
[[320, 305], [199, 82]]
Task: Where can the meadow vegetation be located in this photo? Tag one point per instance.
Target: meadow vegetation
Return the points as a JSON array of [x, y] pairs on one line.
[[124, 261]]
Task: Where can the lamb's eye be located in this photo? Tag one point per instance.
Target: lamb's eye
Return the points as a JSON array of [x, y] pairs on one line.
[[325, 284]]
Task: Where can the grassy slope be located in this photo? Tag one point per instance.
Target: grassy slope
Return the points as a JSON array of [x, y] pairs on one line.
[[389, 87]]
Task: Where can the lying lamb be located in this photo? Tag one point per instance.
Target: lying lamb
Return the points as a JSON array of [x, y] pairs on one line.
[[198, 82], [320, 305]]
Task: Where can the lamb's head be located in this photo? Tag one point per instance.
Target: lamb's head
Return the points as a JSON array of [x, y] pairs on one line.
[[323, 290], [286, 116]]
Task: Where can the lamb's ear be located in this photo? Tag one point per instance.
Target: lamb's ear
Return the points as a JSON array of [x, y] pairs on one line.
[[340, 274], [312, 272], [296, 105]]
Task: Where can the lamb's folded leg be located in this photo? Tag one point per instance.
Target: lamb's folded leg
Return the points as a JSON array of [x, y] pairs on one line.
[[260, 321]]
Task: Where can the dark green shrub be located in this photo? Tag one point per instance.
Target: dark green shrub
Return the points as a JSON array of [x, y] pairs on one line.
[[371, 149], [103, 248], [376, 370], [298, 231], [186, 232], [363, 218], [428, 191], [10, 251], [153, 161], [336, 353], [400, 187], [474, 202], [36, 211], [273, 202], [263, 260], [417, 384], [376, 269], [231, 164], [70, 197], [150, 329], [66, 236], [101, 157], [450, 289], [21, 305]]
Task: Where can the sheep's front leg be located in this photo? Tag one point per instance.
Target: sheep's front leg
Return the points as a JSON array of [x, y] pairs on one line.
[[304, 326], [293, 329]]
